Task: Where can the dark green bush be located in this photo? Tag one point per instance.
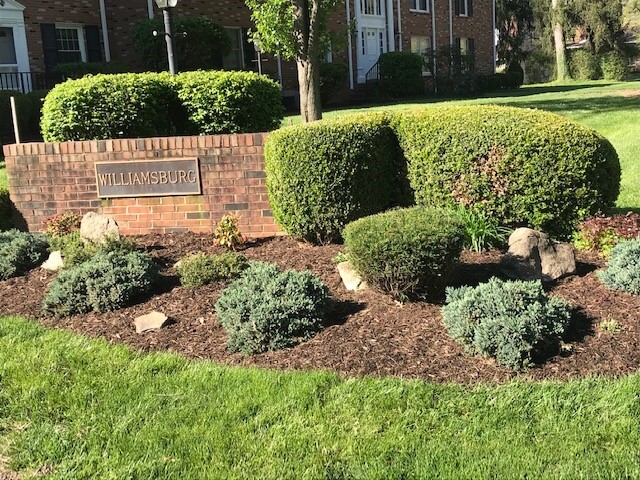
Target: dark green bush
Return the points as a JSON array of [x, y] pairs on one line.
[[230, 102], [401, 74], [20, 252], [32, 103], [201, 269], [540, 67], [522, 167], [514, 76], [406, 251], [110, 106], [80, 69], [5, 210], [203, 46], [584, 65], [322, 175], [623, 269], [509, 321], [614, 66], [6, 123], [108, 281], [268, 309], [333, 77], [74, 251]]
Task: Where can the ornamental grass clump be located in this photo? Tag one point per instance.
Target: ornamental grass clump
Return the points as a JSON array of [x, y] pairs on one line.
[[20, 252], [509, 321], [107, 281], [201, 269], [270, 309], [623, 269], [405, 252]]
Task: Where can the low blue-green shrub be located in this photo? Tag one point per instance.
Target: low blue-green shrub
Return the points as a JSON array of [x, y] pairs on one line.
[[623, 268], [20, 252]]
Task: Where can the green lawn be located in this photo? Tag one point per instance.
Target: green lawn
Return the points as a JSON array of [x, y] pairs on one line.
[[3, 174], [86, 409], [596, 104]]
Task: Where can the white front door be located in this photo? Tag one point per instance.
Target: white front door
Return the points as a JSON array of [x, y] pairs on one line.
[[14, 56], [372, 34]]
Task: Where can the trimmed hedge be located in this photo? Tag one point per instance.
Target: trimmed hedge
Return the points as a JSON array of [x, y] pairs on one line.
[[270, 309], [406, 251], [523, 167], [107, 281], [510, 321], [110, 106], [157, 104], [401, 74], [584, 65], [5, 210], [614, 66], [230, 102], [323, 175], [20, 252]]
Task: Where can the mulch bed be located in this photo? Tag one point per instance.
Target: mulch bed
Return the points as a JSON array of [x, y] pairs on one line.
[[368, 334]]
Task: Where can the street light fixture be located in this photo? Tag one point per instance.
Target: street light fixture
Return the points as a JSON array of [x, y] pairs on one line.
[[166, 6]]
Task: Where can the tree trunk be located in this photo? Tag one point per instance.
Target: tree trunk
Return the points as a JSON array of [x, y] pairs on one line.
[[558, 37], [309, 82], [306, 32]]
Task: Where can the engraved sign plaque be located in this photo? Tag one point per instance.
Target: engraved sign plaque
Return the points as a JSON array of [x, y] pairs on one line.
[[148, 178]]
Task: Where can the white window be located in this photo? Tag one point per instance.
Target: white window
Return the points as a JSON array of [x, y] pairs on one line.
[[420, 6], [71, 43], [422, 46], [464, 8], [372, 7], [234, 60]]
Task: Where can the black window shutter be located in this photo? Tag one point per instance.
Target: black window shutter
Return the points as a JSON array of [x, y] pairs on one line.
[[49, 45], [469, 7], [458, 44], [249, 50], [457, 6], [471, 46], [94, 50]]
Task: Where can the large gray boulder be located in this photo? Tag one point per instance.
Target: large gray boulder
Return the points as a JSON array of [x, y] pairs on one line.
[[533, 256], [96, 228]]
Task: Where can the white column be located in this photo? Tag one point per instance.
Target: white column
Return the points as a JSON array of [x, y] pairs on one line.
[[150, 8], [399, 27], [493, 42], [391, 42], [350, 49], [105, 32], [434, 43], [451, 22]]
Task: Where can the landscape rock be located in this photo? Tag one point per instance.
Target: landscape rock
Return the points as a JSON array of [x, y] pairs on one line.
[[350, 277], [533, 256], [97, 228], [150, 321], [54, 262]]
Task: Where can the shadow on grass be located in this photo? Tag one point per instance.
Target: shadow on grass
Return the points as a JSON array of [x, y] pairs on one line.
[[596, 105]]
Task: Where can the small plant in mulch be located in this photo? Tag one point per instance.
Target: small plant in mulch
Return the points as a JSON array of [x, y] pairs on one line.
[[76, 251], [609, 326], [270, 309], [602, 233], [509, 321], [623, 268], [61, 224], [201, 269], [227, 233], [20, 252]]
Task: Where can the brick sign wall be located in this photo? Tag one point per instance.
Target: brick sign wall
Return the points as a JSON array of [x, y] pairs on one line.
[[50, 178]]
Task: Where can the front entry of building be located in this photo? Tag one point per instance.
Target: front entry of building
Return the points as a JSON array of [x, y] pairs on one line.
[[371, 19]]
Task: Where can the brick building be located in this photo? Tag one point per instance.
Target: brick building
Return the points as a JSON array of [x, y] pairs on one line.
[[35, 35]]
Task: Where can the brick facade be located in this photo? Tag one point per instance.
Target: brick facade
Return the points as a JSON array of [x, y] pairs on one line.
[[50, 178], [121, 16]]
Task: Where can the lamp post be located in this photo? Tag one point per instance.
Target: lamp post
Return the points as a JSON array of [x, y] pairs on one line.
[[166, 6]]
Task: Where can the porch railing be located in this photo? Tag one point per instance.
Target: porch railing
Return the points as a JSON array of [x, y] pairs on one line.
[[26, 82], [373, 75]]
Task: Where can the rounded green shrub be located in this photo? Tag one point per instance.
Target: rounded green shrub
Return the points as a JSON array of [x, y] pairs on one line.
[[20, 252], [201, 269], [230, 102], [623, 268], [80, 69], [75, 251], [509, 321], [401, 74], [522, 167], [323, 175], [406, 251], [270, 309], [584, 65], [614, 65], [333, 78], [105, 282], [110, 106]]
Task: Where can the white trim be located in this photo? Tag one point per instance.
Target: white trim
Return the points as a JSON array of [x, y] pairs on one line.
[[105, 32], [150, 9], [451, 22], [434, 44], [494, 43], [12, 16], [350, 56], [391, 41], [399, 26]]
